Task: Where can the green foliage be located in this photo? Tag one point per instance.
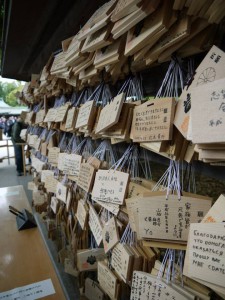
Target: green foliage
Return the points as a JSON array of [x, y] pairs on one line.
[[8, 91]]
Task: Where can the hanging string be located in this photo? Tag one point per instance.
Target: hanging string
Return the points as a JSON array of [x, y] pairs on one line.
[[79, 148], [103, 152], [88, 148], [38, 107], [60, 101], [69, 145], [147, 168], [44, 134], [50, 135], [173, 80], [190, 73], [63, 141], [170, 180], [133, 89], [121, 162]]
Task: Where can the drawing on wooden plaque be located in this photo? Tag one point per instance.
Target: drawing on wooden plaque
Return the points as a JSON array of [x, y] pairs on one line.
[[208, 75]]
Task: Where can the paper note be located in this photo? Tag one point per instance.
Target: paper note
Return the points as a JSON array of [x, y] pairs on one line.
[[32, 291]]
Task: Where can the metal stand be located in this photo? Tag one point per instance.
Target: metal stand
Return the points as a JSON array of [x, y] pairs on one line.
[[26, 222]]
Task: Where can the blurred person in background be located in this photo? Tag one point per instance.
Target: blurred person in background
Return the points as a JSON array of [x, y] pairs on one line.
[[8, 127], [15, 135]]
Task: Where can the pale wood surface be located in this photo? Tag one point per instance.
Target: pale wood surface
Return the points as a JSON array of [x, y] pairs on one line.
[[23, 256]]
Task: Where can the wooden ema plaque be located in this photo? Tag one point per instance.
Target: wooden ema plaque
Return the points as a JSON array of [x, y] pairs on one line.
[[98, 20], [123, 8], [197, 26], [61, 192], [51, 115], [61, 113], [126, 23], [37, 164], [152, 25], [40, 115], [210, 127], [110, 186], [215, 216], [108, 281], [132, 210], [45, 174], [69, 267], [86, 115], [32, 139], [86, 177], [51, 184], [152, 121], [161, 219], [82, 213], [148, 287], [71, 164], [177, 32], [83, 64], [113, 208], [119, 129], [97, 40], [73, 55], [93, 290], [209, 70], [110, 113], [53, 154], [71, 118], [87, 260], [206, 252], [95, 224], [122, 261], [61, 161], [54, 204], [110, 55], [110, 234]]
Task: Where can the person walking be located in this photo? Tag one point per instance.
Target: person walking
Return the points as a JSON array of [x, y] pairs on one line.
[[16, 130]]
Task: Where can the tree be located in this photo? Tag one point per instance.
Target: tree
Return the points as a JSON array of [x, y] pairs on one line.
[[11, 97], [8, 91]]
